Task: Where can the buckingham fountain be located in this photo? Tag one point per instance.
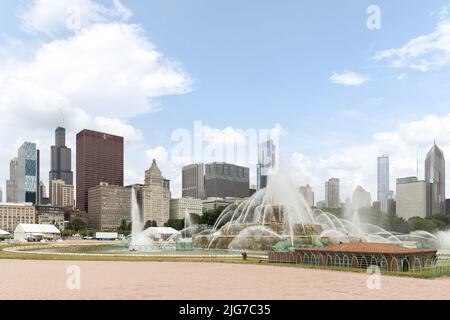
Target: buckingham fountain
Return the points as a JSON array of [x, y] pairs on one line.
[[275, 217]]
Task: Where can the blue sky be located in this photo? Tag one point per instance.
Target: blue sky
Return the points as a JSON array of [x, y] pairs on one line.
[[256, 64]]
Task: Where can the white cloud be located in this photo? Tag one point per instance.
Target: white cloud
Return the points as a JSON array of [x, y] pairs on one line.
[[426, 52], [356, 165], [98, 78], [348, 78], [54, 17]]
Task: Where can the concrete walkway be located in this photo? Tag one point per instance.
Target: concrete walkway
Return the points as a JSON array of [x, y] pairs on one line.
[[200, 281]]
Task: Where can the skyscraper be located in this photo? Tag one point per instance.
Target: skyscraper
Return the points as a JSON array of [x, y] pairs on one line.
[[435, 179], [383, 178], [27, 174], [61, 159], [361, 198], [193, 181], [11, 184], [99, 159], [224, 180], [332, 196], [155, 196], [411, 198], [266, 161], [308, 194]]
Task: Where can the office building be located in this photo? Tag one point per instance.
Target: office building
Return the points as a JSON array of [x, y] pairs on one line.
[[223, 180], [212, 204], [411, 199], [100, 158], [155, 197], [361, 198], [47, 214], [27, 174], [193, 181], [383, 178], [332, 193], [13, 214], [61, 159], [435, 179], [108, 206], [308, 194], [62, 194], [266, 163], [180, 207], [11, 184]]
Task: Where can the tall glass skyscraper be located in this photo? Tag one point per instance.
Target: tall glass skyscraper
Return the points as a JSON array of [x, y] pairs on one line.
[[27, 173], [435, 179], [266, 161], [383, 192]]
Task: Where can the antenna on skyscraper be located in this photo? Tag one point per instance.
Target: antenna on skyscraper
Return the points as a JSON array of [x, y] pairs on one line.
[[61, 117], [417, 162]]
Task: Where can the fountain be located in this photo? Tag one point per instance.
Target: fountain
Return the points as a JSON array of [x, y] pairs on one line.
[[139, 241], [185, 243]]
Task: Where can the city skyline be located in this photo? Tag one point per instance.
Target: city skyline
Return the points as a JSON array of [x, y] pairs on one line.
[[370, 108]]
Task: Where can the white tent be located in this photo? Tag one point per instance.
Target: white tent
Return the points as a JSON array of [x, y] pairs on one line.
[[4, 233], [25, 232], [157, 233]]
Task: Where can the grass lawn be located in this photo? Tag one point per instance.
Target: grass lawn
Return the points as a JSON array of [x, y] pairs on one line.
[[425, 274]]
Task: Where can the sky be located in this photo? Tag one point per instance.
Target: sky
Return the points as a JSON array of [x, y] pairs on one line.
[[338, 91]]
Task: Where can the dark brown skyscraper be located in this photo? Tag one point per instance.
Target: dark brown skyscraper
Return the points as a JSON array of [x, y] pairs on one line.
[[99, 159]]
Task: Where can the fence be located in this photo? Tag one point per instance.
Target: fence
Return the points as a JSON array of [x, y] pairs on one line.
[[435, 265]]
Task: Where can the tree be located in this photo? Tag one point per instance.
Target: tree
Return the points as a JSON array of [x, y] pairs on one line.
[[123, 225], [417, 223], [209, 218], [150, 224], [177, 224], [76, 225]]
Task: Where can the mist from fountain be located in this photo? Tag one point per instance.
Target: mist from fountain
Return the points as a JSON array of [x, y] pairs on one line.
[[140, 241]]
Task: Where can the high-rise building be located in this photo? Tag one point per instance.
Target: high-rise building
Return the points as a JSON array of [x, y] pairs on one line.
[[27, 174], [11, 184], [308, 194], [435, 179], [62, 194], [411, 199], [155, 197], [193, 181], [383, 178], [224, 180], [361, 198], [109, 206], [99, 159], [61, 159], [332, 196], [266, 162]]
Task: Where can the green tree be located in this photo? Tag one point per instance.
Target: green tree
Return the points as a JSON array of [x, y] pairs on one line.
[[76, 225], [209, 218], [150, 224], [177, 224], [417, 223]]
